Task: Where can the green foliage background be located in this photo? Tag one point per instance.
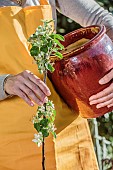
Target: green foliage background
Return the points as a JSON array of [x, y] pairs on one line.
[[65, 25]]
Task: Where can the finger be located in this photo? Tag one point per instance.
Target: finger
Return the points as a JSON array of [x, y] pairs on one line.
[[103, 93], [22, 95], [106, 78], [103, 99], [40, 95], [104, 104], [31, 94], [110, 105], [40, 83]]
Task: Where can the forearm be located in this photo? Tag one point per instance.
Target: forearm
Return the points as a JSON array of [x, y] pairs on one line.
[[87, 13], [3, 95]]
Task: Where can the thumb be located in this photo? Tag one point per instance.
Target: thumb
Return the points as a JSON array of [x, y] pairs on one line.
[[106, 78]]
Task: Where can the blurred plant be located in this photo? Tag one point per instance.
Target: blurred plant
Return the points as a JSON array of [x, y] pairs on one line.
[[107, 4], [105, 125], [65, 24]]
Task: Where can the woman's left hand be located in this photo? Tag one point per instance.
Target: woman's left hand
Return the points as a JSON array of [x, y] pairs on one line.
[[105, 97]]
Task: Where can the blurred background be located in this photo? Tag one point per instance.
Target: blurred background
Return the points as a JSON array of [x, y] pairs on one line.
[[101, 128]]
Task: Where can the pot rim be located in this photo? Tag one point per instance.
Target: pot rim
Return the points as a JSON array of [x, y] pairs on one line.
[[86, 45]]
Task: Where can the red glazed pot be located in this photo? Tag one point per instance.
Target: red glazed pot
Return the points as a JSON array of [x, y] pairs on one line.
[[76, 76]]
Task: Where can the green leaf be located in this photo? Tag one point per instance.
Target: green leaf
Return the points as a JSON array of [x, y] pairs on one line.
[[54, 112], [54, 134], [54, 115], [59, 55], [34, 51], [34, 36], [40, 114], [45, 132], [52, 118], [37, 126], [52, 36], [47, 21], [40, 71], [58, 36], [44, 122], [50, 43], [59, 44], [44, 49], [49, 67]]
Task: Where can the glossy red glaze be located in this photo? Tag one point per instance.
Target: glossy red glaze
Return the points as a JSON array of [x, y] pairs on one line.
[[77, 75]]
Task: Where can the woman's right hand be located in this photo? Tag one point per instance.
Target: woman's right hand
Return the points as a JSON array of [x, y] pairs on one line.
[[27, 86]]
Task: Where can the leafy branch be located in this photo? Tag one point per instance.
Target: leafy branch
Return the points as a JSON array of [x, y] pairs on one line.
[[44, 43]]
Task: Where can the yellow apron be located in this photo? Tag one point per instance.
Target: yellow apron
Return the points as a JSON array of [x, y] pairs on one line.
[[17, 151]]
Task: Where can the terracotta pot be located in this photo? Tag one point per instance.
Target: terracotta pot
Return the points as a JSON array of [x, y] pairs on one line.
[[76, 76]]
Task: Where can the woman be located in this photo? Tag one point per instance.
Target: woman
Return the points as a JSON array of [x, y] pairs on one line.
[[73, 147]]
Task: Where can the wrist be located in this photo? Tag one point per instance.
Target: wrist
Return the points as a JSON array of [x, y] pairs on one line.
[[3, 95], [5, 84]]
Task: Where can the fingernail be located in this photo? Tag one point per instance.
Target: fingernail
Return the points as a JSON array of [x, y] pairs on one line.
[[91, 98], [98, 106], [101, 81], [91, 103], [48, 93], [32, 104]]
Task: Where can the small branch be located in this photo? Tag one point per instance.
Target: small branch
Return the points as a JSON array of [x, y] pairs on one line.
[[41, 51], [43, 154], [43, 144]]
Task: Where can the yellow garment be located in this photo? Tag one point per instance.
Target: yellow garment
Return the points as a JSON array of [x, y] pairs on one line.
[[17, 151], [74, 148]]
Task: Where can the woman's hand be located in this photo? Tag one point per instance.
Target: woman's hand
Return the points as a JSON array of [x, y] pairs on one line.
[[28, 87], [105, 97]]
